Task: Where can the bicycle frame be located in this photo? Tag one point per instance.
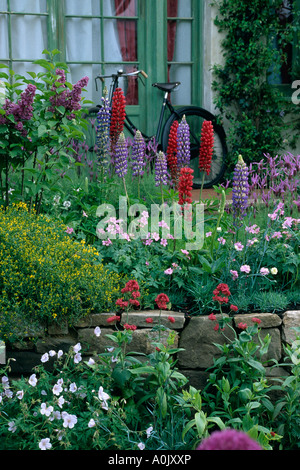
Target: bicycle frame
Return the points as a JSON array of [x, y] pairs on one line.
[[129, 125]]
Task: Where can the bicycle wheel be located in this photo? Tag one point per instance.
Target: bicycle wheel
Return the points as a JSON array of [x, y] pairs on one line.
[[195, 117]]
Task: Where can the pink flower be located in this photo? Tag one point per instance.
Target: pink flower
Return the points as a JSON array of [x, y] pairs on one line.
[[234, 274], [171, 319], [149, 320], [229, 439], [242, 326], [212, 316], [256, 320], [222, 240], [169, 271], [264, 271], [238, 246], [234, 308], [69, 230], [113, 318], [245, 268]]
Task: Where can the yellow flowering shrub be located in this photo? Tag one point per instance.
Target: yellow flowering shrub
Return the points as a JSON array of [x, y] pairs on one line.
[[46, 276]]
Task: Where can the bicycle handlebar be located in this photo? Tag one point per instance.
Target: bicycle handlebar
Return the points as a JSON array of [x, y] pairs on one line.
[[120, 73]]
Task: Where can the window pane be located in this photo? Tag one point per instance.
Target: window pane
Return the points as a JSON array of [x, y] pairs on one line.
[[182, 47], [83, 39], [79, 7], [33, 30], [182, 74], [120, 8], [3, 37], [28, 6]]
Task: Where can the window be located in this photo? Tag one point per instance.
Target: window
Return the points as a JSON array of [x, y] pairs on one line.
[[95, 37]]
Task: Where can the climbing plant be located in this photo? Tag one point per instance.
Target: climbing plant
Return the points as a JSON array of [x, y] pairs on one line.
[[256, 110]]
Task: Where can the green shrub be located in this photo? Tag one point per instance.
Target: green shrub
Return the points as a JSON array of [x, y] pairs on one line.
[[45, 276]]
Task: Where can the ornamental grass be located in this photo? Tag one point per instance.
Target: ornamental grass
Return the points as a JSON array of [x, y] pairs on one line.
[[46, 276]]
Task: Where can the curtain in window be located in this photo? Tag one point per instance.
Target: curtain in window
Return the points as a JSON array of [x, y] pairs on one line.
[[172, 10], [127, 30]]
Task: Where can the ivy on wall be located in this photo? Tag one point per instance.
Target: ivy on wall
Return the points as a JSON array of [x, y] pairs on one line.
[[256, 109]]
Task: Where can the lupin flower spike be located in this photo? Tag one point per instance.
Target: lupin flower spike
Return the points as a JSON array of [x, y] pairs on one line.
[[138, 154], [206, 146], [172, 152], [240, 191], [121, 156], [183, 144], [103, 131], [185, 186], [117, 115]]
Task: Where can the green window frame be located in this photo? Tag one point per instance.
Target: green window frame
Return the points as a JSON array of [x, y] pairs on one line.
[[152, 35]]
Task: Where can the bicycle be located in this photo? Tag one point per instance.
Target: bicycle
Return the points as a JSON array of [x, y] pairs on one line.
[[194, 115]]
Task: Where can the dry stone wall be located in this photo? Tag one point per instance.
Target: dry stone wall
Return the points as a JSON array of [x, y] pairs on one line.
[[195, 336]]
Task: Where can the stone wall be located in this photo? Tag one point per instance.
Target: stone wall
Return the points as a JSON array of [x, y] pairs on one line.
[[195, 335]]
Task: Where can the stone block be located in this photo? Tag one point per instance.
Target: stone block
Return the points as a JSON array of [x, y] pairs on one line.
[[139, 319], [291, 320], [198, 341], [268, 320]]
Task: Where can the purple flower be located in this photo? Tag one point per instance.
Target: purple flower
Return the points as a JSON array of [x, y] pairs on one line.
[[240, 191], [229, 439], [183, 144], [102, 132], [121, 156], [161, 172], [138, 154]]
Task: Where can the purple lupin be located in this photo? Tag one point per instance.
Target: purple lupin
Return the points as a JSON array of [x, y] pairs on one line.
[[183, 144], [240, 191]]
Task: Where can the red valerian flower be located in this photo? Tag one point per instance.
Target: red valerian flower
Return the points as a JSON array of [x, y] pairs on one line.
[[221, 289], [129, 327], [185, 185], [206, 146], [113, 318], [171, 319], [134, 302], [234, 308], [161, 301], [172, 152], [212, 316], [130, 286], [121, 303], [149, 320], [256, 320], [242, 326]]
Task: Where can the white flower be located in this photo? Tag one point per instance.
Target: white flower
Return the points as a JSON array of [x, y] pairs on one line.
[[57, 389], [149, 431], [77, 347], [91, 423], [59, 353], [274, 270], [141, 446], [91, 361], [73, 387], [69, 420], [67, 204], [32, 380], [20, 394], [11, 426], [52, 353], [45, 357], [97, 331], [60, 401], [77, 358], [45, 444], [46, 410], [102, 395]]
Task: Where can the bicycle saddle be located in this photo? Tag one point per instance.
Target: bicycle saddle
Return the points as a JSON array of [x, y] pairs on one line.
[[166, 86]]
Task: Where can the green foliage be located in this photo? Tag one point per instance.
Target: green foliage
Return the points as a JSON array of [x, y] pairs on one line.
[[255, 109], [45, 275], [36, 141]]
